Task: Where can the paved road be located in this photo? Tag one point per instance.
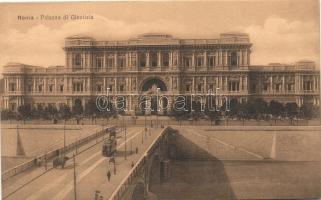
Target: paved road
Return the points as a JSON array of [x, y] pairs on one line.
[[91, 168]]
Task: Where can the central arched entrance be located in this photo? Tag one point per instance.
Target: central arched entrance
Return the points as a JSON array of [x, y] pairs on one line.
[[153, 83], [153, 87]]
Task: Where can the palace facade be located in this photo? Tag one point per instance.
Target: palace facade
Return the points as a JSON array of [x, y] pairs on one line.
[[173, 66]]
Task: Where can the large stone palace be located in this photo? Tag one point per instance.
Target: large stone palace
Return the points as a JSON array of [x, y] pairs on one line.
[[162, 64]]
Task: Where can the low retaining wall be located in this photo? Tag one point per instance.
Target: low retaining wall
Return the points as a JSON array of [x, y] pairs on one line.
[[50, 155]]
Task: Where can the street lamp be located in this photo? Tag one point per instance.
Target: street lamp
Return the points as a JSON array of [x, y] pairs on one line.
[[107, 98], [216, 98], [125, 144], [157, 107], [145, 122]]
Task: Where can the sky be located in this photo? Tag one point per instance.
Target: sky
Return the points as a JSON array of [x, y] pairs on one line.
[[283, 31]]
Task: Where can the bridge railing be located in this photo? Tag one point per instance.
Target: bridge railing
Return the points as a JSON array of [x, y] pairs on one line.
[[140, 164], [51, 154]]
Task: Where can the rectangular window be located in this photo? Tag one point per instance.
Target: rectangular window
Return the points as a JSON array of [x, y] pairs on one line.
[[110, 62], [121, 61], [110, 87], [29, 88], [99, 88], [188, 61], [278, 87], [211, 61], [188, 88], [233, 86], [61, 88], [165, 58], [265, 87], [50, 88], [199, 61], [121, 88], [199, 88], [142, 60], [39, 88], [307, 85], [290, 87], [12, 87], [99, 62], [77, 87]]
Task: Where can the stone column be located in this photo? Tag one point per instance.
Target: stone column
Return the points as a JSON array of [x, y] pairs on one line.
[[226, 85], [45, 85], [226, 58], [17, 83], [170, 58], [271, 84], [193, 85], [147, 59], [115, 81], [248, 57], [104, 85], [193, 59], [130, 60], [159, 59], [283, 84], [104, 61], [246, 84], [115, 61], [5, 85], [216, 84], [216, 58], [205, 84], [241, 83], [245, 58], [205, 59], [55, 85], [241, 58], [313, 84]]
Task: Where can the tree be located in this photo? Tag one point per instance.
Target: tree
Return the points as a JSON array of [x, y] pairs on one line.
[[64, 111], [24, 111], [181, 111], [307, 110], [234, 107], [77, 109], [276, 108], [51, 111], [291, 109], [8, 114], [261, 107], [91, 108]]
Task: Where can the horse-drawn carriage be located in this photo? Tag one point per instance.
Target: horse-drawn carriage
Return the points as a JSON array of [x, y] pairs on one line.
[[110, 145], [59, 161]]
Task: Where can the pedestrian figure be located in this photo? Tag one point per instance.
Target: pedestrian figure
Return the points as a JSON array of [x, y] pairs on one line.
[[108, 175]]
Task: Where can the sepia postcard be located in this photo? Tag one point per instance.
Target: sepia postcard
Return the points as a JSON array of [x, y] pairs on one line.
[[160, 100]]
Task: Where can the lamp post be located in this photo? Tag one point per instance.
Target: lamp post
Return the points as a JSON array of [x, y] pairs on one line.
[[125, 144], [75, 179], [216, 98], [64, 139], [157, 107]]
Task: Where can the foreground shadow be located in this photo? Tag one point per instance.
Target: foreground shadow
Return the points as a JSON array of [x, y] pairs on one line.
[[194, 174]]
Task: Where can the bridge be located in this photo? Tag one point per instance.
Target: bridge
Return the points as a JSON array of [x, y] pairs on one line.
[[189, 162]]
